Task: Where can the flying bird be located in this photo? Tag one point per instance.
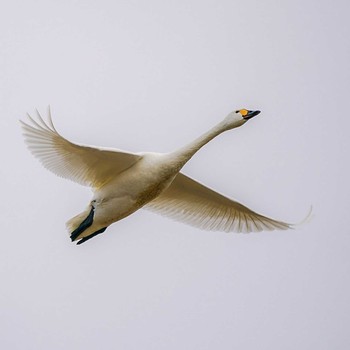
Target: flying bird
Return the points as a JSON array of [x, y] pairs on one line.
[[123, 182]]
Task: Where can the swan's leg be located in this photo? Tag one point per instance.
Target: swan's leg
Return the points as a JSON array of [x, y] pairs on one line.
[[93, 235], [84, 225]]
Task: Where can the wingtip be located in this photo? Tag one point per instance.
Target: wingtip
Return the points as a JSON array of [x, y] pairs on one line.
[[307, 218], [49, 117]]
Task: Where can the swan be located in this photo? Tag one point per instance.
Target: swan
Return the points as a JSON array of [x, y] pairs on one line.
[[123, 182]]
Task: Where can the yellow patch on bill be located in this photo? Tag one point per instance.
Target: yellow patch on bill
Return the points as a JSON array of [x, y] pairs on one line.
[[244, 112]]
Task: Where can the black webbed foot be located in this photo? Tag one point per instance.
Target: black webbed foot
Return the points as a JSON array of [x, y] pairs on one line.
[[83, 226], [92, 235]]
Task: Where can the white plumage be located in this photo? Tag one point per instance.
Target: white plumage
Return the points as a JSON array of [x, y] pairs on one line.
[[123, 182]]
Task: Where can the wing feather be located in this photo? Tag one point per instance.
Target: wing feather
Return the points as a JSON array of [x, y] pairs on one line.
[[188, 201], [89, 166]]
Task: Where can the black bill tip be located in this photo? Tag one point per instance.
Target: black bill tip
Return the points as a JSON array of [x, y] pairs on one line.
[[251, 114]]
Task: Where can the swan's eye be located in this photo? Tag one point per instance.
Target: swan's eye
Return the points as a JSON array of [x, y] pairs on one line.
[[244, 112]]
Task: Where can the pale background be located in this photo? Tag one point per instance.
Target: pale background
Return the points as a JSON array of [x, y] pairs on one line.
[[151, 76]]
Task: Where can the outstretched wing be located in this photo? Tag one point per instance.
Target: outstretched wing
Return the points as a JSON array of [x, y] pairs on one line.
[[86, 165], [190, 202]]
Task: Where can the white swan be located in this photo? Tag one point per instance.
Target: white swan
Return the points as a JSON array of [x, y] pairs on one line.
[[124, 182]]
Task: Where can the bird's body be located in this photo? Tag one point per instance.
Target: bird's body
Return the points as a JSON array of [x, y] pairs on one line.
[[124, 182], [129, 191]]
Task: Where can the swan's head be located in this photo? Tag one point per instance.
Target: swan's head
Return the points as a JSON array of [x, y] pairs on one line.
[[239, 117]]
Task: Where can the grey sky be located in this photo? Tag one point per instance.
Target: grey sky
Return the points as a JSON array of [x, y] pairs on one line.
[[151, 76]]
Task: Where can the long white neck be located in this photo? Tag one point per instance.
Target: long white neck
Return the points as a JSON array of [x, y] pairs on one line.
[[184, 154]]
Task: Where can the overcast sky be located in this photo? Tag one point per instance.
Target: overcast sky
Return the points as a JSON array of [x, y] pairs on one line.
[[151, 76]]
